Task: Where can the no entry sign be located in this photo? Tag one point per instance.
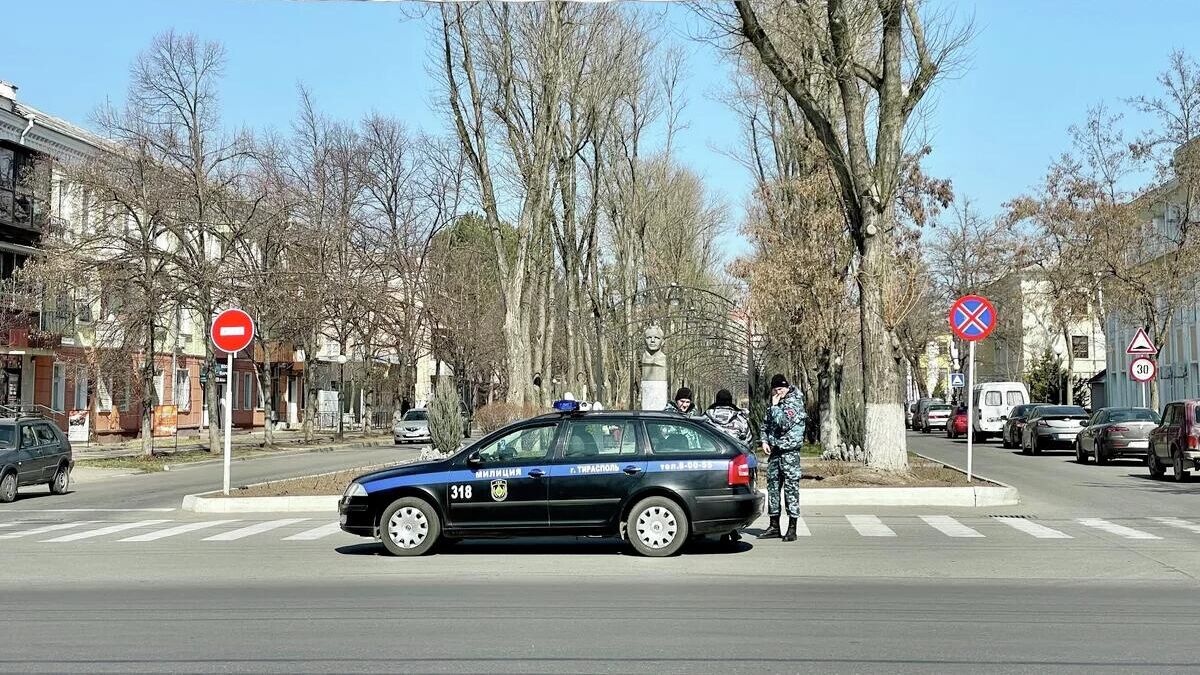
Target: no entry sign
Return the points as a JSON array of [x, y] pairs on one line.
[[232, 331], [972, 318]]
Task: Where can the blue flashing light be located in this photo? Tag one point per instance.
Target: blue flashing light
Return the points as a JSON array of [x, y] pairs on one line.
[[566, 406]]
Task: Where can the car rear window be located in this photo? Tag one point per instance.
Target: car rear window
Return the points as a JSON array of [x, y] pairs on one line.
[[939, 407], [1015, 398], [667, 438], [993, 398], [1062, 411], [1132, 415]]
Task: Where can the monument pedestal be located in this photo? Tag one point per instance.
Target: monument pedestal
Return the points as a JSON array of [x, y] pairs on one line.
[[654, 394]]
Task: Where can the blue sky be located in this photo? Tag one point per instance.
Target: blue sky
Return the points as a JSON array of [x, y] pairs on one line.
[[1035, 67]]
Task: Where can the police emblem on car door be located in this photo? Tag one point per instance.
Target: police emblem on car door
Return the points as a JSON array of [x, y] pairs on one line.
[[499, 490]]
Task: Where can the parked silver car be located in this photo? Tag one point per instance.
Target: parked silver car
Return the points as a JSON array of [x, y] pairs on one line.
[[413, 427], [1052, 426], [936, 417], [1116, 432]]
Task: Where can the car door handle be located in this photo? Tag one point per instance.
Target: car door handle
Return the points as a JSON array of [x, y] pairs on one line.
[[536, 473], [632, 470]]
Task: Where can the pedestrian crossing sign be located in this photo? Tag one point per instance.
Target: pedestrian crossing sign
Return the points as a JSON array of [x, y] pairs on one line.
[[957, 381]]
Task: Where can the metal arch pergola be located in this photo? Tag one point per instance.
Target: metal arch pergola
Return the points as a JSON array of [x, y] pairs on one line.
[[708, 339]]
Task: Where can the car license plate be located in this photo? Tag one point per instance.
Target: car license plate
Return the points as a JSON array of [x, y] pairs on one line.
[[1066, 437], [1139, 444]]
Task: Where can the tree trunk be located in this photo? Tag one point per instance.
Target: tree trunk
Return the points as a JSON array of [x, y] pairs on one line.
[[1069, 396], [827, 401], [147, 431], [266, 394], [883, 415]]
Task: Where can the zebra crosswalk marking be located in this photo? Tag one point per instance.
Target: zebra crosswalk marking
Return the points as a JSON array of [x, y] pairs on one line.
[[250, 530], [1031, 528], [1179, 523], [1113, 528], [870, 526], [42, 530], [111, 529], [178, 529], [950, 527], [315, 533]]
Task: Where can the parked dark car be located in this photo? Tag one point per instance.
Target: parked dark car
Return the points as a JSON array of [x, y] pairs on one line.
[[957, 424], [652, 478], [1052, 426], [1116, 432], [1175, 442], [33, 451], [1014, 425], [918, 422]]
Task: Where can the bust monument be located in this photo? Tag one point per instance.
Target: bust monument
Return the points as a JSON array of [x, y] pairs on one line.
[[654, 370]]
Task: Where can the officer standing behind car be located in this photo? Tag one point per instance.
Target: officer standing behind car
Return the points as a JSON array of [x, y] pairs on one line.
[[682, 403], [727, 417], [782, 437]]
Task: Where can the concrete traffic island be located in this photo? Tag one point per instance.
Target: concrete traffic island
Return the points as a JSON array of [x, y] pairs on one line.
[[317, 493], [981, 492]]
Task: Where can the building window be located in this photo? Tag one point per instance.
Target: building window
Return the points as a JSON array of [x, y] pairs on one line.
[[160, 385], [1080, 347], [81, 389], [247, 391], [183, 389], [104, 402], [58, 388]]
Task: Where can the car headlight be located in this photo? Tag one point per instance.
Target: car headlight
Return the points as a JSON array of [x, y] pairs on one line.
[[355, 489]]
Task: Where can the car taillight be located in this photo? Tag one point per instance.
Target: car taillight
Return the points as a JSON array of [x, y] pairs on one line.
[[739, 470], [1193, 442], [1043, 423]]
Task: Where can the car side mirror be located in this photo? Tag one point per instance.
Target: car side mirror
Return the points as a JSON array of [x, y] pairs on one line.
[[1004, 418], [1083, 423], [474, 460]]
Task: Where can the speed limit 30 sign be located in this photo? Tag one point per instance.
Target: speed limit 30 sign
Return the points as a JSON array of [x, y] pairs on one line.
[[1142, 369]]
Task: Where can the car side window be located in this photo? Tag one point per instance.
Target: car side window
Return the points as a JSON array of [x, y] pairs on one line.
[[600, 439], [1171, 416], [28, 438], [530, 443], [1098, 418], [44, 434], [667, 438]]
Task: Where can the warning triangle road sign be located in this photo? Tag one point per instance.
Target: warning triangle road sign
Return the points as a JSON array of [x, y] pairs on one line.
[[1141, 344]]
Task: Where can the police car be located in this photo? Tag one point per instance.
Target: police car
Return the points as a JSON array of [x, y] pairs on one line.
[[655, 479]]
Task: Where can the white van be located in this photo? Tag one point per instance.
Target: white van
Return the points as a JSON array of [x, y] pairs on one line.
[[992, 401]]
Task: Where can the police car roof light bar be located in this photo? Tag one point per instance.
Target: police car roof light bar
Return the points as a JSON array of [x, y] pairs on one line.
[[566, 405]]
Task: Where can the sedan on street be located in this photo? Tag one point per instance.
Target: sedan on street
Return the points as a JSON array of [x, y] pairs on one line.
[[1052, 426], [413, 427], [1014, 425], [957, 425], [1116, 432], [935, 417]]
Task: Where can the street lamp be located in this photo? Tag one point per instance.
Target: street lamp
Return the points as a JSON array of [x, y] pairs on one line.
[[341, 359]]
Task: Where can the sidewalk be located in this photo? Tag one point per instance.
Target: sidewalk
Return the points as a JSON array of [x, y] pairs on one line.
[[284, 440]]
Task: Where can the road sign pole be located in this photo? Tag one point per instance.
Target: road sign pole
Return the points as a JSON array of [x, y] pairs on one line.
[[228, 415], [970, 409], [1144, 404]]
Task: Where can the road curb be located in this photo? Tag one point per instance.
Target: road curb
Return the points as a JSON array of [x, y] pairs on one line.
[[208, 502], [972, 496]]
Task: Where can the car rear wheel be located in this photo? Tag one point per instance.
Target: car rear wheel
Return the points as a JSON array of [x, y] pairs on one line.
[[657, 527], [8, 488], [409, 527], [1080, 455], [1157, 470], [1033, 445], [61, 481], [1101, 457], [1178, 473]]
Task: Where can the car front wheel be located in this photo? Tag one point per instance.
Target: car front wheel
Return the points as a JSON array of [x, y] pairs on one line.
[[409, 527], [657, 527], [61, 481], [8, 488]]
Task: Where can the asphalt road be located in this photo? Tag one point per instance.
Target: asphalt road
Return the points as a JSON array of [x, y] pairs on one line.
[[1086, 578], [1054, 484], [748, 623], [166, 489]]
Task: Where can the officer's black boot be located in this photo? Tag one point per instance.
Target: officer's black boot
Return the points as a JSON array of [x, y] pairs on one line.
[[791, 533], [772, 530]]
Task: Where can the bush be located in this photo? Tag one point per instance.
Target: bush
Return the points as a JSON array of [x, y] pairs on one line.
[[498, 415], [445, 417]]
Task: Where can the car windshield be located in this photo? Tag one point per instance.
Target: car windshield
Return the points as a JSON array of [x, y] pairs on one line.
[[416, 416], [1061, 411], [1132, 415], [8, 436], [933, 408]]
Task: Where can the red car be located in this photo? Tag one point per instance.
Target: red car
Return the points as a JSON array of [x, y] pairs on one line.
[[1175, 443], [957, 425]]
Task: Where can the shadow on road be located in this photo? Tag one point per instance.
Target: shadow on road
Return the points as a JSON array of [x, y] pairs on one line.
[[550, 546]]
